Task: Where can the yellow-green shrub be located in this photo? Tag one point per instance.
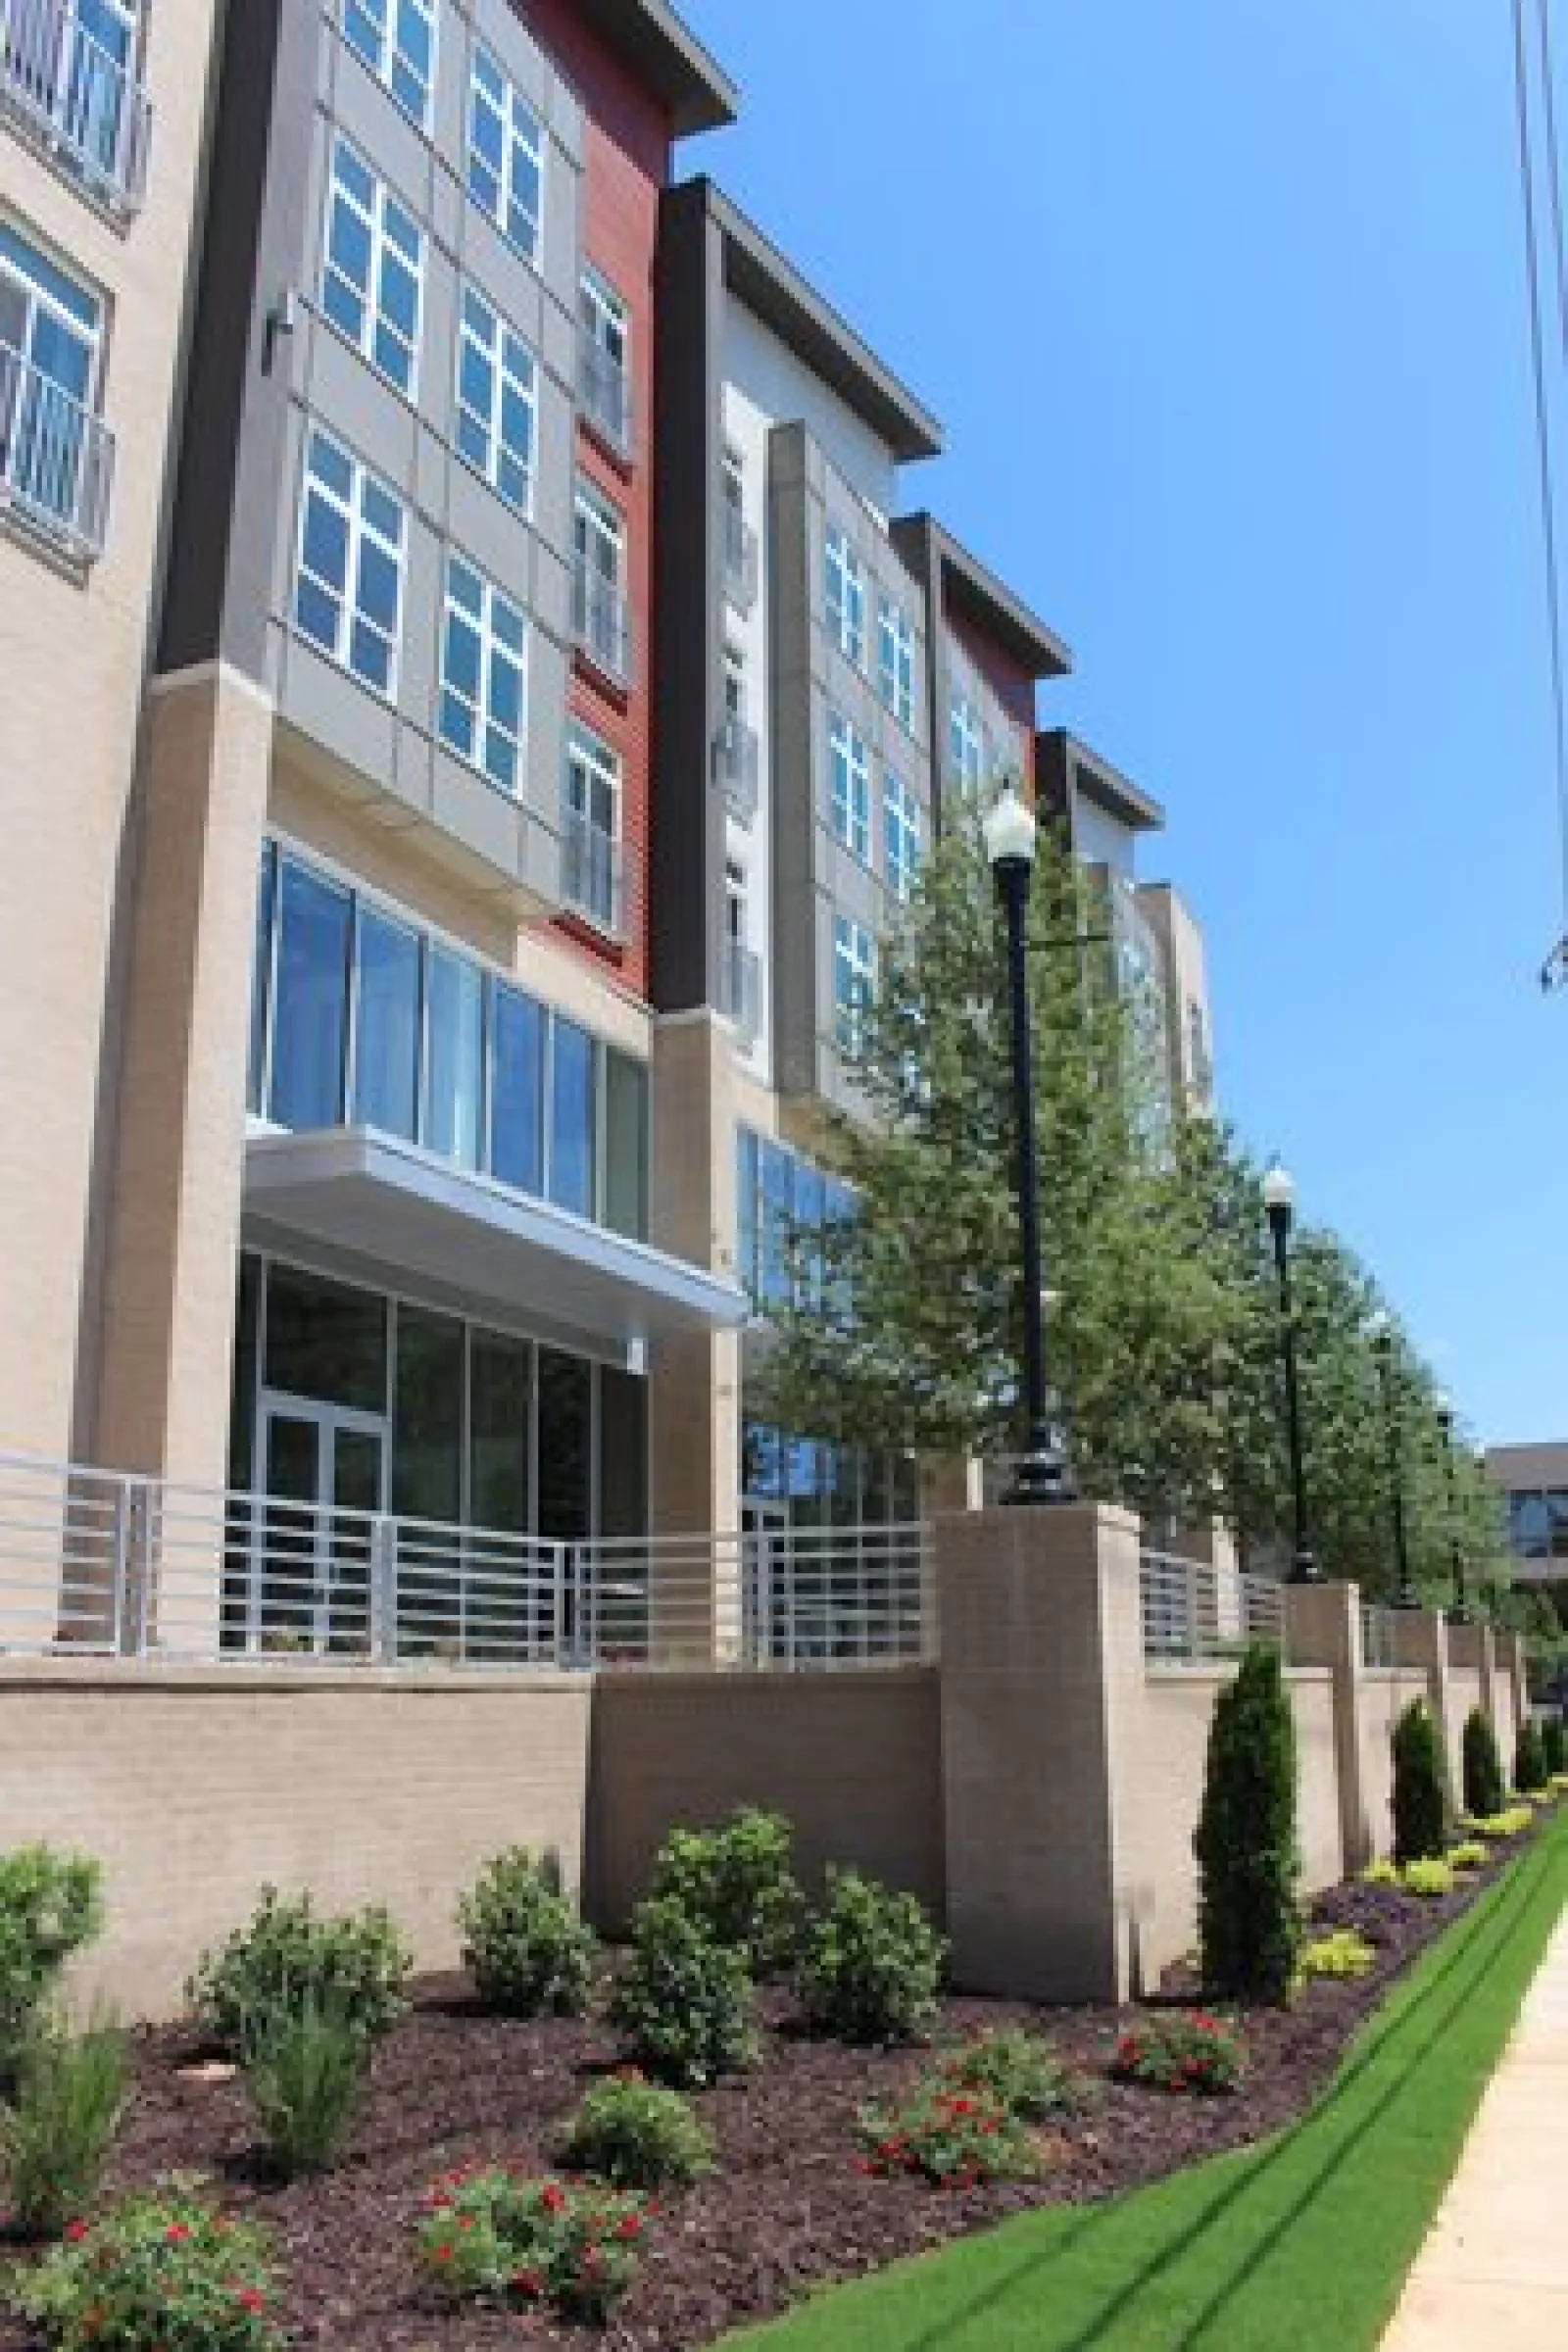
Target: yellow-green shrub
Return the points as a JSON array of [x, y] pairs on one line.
[[1381, 1873], [1473, 1855], [1344, 1953], [1427, 1877], [1511, 1822]]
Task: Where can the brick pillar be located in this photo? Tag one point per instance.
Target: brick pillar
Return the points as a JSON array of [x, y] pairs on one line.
[[1041, 1666], [1323, 1629]]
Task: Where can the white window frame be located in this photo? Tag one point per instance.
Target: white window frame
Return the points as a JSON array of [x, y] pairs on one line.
[[593, 763], [502, 632], [904, 834], [850, 773], [966, 742], [513, 368], [605, 318], [359, 530], [853, 962], [384, 217], [384, 21], [521, 134], [844, 591], [895, 660]]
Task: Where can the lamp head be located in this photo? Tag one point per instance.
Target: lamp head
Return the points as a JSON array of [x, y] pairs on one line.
[[1279, 1198], [1009, 831], [1380, 1331]]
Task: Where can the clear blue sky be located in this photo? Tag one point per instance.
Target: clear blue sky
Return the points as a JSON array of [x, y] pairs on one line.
[[1221, 304]]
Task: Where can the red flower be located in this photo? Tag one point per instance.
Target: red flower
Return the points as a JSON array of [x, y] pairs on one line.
[[528, 2283], [75, 2232], [250, 2298], [552, 2198], [631, 2226], [176, 2234], [443, 2253]]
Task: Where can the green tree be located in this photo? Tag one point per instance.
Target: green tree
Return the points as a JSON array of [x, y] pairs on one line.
[[1420, 1787], [1248, 1856]]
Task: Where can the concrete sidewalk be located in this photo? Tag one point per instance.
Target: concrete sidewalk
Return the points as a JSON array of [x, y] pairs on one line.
[[1493, 2276]]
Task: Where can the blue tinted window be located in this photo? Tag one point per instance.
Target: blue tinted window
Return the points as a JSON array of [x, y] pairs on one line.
[[516, 1090], [262, 976], [455, 1058], [386, 1025], [746, 1206], [572, 1119], [309, 1026], [778, 1201]]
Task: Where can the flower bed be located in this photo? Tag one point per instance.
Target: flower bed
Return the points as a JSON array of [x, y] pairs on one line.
[[788, 2205]]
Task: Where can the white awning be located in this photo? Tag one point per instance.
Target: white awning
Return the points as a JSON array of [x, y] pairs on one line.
[[368, 1197]]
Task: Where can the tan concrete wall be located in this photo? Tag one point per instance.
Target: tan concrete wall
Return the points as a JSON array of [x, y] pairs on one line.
[[853, 1759], [76, 657], [1323, 1861], [194, 1788], [1464, 1695]]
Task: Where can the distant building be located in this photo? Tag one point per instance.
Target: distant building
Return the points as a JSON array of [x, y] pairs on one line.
[[1534, 1480]]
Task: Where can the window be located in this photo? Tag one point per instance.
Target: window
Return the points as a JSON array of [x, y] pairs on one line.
[[850, 770], [599, 538], [591, 863], [482, 696], [310, 1010], [372, 267], [454, 1065], [573, 1119], [605, 336], [900, 816], [497, 392], [895, 661], [734, 684], [386, 1024], [853, 982], [348, 592], [846, 597], [517, 1031], [397, 40], [505, 156], [50, 456], [966, 744]]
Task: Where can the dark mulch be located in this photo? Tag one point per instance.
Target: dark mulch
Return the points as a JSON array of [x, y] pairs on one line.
[[786, 2210]]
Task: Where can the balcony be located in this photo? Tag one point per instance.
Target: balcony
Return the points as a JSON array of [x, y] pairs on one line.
[[739, 990], [606, 396], [740, 559], [602, 625], [592, 882], [737, 765], [56, 460], [75, 99]]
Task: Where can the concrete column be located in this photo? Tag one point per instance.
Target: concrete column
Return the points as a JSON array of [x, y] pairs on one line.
[[1421, 1641], [1042, 1667], [1323, 1627], [163, 1391]]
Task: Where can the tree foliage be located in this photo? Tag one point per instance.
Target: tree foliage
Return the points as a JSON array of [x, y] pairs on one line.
[[1248, 1856]]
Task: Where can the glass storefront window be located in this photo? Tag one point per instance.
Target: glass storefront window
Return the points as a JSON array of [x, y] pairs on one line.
[[565, 1444], [455, 1058], [622, 1454], [428, 1424], [501, 1424], [326, 1340], [626, 1146], [572, 1119], [516, 1090], [386, 1025], [309, 1022]]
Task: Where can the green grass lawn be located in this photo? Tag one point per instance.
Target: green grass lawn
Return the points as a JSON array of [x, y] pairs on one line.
[[1304, 2242]]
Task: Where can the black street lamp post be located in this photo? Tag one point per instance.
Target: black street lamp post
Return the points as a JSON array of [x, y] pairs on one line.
[[1383, 1346], [1279, 1200], [1459, 1614], [1009, 835]]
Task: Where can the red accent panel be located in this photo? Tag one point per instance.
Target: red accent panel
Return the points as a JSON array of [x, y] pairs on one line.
[[1012, 686], [626, 151]]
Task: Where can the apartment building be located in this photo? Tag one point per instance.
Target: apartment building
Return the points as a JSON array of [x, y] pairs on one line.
[[102, 114], [1533, 1483]]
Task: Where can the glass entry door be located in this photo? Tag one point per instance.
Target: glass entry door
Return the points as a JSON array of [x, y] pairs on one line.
[[324, 1475]]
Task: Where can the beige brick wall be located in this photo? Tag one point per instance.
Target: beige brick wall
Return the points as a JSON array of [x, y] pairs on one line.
[[194, 1788], [853, 1759]]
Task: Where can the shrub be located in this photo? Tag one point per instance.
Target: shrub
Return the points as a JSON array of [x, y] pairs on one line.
[[1485, 1788], [956, 2138], [57, 2134], [285, 1956], [306, 2074], [1016, 2068], [1470, 1854], [1530, 1773], [1249, 1865], [684, 2000], [50, 1905], [1554, 1748], [531, 1953], [1342, 1954], [1381, 1873], [871, 1963], [1427, 1877], [638, 2134], [1197, 2054], [162, 2270], [1511, 1822], [535, 2242], [1420, 1787], [738, 1884]]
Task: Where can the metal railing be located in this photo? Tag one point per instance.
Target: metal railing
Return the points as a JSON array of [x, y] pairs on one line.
[[790, 1599], [77, 98], [1379, 1638], [604, 391], [1195, 1610], [56, 459], [98, 1563], [737, 765], [602, 623], [741, 989], [592, 873], [741, 561]]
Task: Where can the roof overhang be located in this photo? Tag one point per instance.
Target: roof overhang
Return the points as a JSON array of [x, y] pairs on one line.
[[758, 275], [367, 1197], [975, 595], [1108, 788], [668, 59]]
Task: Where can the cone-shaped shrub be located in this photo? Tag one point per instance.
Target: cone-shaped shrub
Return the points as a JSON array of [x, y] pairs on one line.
[[1530, 1773], [1555, 1741], [1420, 1787], [1246, 1845], [1485, 1791]]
